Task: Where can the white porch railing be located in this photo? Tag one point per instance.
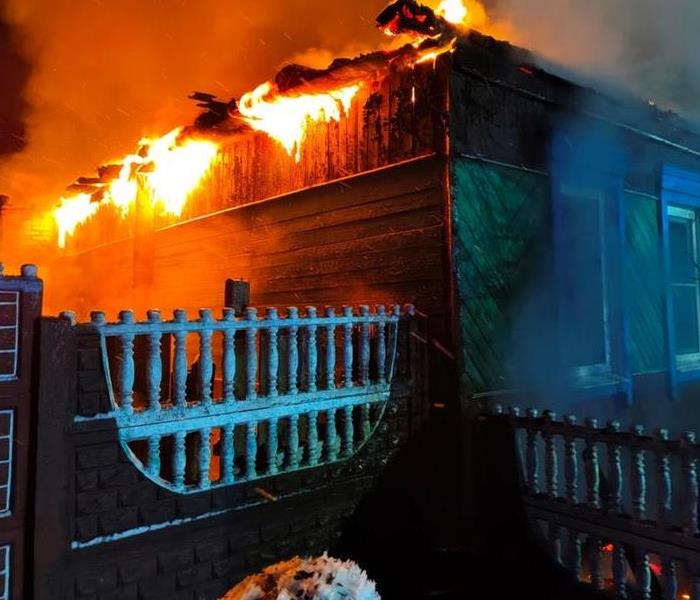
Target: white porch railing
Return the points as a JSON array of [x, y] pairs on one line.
[[215, 402], [619, 508]]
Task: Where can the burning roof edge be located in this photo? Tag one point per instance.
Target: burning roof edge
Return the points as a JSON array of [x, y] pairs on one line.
[[514, 67]]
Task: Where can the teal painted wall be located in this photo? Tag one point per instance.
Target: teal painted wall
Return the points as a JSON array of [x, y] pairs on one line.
[[643, 279], [501, 231], [498, 214]]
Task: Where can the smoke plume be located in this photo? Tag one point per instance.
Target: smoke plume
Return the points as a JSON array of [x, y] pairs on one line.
[[648, 47]]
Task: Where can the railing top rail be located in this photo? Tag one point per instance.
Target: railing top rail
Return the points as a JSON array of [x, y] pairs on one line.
[[251, 319], [610, 433]]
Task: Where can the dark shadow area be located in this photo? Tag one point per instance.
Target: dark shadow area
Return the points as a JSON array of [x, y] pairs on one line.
[[410, 536], [15, 71]]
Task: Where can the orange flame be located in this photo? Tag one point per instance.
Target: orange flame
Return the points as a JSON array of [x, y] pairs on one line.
[[463, 13], [171, 168], [286, 118], [453, 11]]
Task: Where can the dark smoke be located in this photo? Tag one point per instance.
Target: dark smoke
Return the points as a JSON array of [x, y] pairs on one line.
[[648, 47]]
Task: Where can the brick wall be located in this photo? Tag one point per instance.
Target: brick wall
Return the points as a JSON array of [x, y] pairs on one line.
[[113, 533]]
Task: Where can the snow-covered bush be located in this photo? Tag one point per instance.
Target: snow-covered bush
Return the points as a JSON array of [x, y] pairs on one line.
[[320, 578]]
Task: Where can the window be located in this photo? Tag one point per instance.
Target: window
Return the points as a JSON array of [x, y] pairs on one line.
[[9, 334], [584, 294], [684, 283]]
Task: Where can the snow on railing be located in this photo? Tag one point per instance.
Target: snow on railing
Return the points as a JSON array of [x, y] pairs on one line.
[[263, 395]]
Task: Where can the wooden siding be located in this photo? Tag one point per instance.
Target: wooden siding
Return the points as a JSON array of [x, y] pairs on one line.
[[644, 283], [390, 121], [499, 215], [376, 237]]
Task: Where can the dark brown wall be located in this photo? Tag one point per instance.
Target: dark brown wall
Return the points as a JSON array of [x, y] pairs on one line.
[[142, 542], [18, 395], [376, 237]]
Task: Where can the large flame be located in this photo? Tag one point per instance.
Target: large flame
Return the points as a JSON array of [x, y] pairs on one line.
[[170, 167], [286, 118], [453, 11]]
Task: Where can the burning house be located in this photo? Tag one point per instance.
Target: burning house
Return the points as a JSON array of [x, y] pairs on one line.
[[450, 172], [544, 232]]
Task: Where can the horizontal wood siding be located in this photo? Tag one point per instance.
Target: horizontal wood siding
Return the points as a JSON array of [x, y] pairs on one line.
[[391, 119], [376, 237]]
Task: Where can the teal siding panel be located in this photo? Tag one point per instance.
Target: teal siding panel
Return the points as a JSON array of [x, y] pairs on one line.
[[499, 214], [644, 284]]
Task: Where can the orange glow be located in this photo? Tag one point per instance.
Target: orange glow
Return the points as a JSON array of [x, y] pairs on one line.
[[171, 168], [286, 118], [453, 11], [608, 548], [71, 212]]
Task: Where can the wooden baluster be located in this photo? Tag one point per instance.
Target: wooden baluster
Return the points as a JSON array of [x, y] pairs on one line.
[[154, 363], [619, 570], [690, 476], [206, 362], [614, 471], [575, 554], [272, 446], [293, 351], [644, 576], [571, 461], [347, 347], [331, 436], [330, 350], [293, 460], [348, 432], [179, 461], [663, 470], [126, 370], [554, 535], [381, 344], [204, 458], [311, 350], [153, 466], [227, 453], [180, 361], [273, 360], [550, 456], [639, 478], [314, 449], [251, 450], [597, 576], [592, 465], [669, 581], [532, 456], [229, 357], [251, 362], [365, 422], [364, 346]]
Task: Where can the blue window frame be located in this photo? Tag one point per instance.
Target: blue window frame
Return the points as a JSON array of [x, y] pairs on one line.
[[679, 213], [588, 225]]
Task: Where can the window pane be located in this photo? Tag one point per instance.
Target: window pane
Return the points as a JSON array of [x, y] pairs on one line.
[[685, 316], [683, 269], [584, 293]]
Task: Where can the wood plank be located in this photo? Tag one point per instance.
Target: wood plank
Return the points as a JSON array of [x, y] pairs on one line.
[[413, 239]]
